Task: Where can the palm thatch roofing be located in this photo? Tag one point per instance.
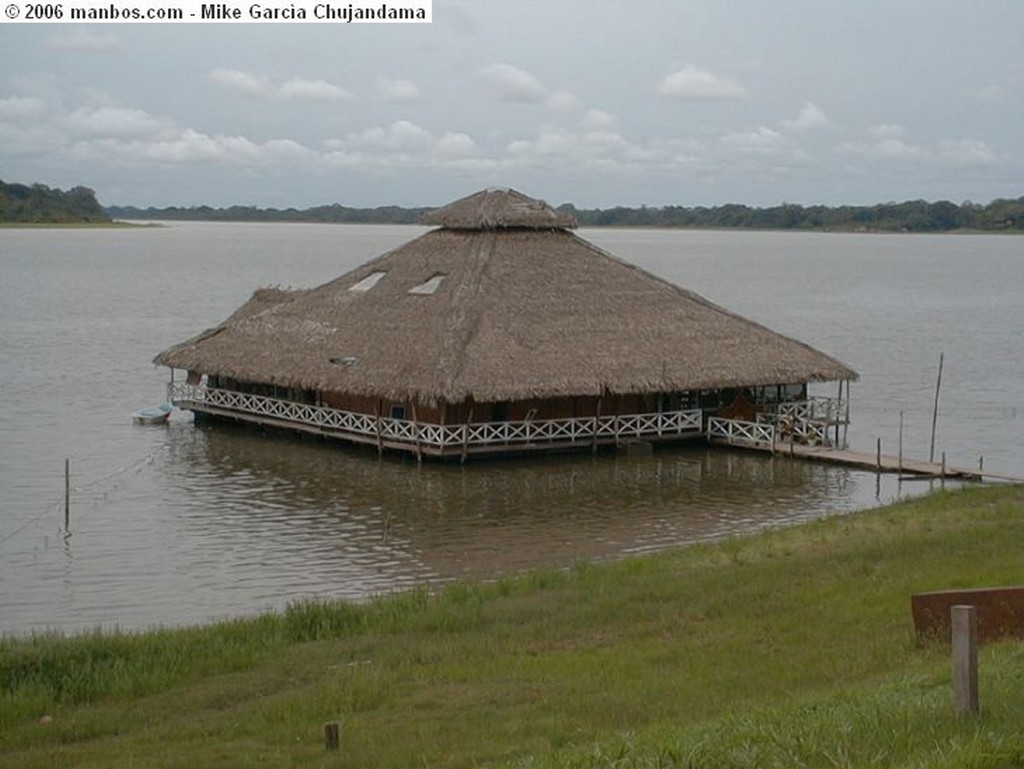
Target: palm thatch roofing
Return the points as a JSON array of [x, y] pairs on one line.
[[500, 303]]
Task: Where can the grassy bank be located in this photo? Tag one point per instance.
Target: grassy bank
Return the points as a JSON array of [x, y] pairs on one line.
[[791, 648]]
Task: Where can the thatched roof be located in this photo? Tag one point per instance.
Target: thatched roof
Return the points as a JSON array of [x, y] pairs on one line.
[[496, 314], [496, 208]]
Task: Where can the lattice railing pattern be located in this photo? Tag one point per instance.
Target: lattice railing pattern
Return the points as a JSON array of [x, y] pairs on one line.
[[476, 434], [817, 408], [738, 431]]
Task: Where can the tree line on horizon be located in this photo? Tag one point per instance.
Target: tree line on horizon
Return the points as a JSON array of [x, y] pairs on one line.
[[39, 204], [1001, 215]]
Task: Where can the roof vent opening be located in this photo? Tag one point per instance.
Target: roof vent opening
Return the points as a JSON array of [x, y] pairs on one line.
[[430, 286], [346, 361], [368, 282]]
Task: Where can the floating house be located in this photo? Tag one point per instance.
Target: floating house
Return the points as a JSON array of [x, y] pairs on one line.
[[501, 331]]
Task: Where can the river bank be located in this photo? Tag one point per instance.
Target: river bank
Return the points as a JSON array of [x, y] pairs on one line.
[[792, 643]]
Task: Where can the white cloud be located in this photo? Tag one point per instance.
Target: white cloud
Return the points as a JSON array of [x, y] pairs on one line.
[[295, 89], [886, 131], [513, 84], [182, 146], [400, 91], [563, 100], [896, 149], [811, 116], [298, 89], [402, 144], [400, 136], [550, 141], [694, 84], [596, 119], [968, 152], [236, 80], [887, 145], [21, 108], [456, 145], [885, 142], [114, 122], [83, 40], [761, 140], [596, 147]]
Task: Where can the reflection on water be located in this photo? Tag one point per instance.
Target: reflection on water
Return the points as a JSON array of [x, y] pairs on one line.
[[257, 520]]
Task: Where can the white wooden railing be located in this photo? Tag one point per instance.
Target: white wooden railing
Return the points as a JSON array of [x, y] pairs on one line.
[[434, 436], [816, 408], [736, 431], [794, 428]]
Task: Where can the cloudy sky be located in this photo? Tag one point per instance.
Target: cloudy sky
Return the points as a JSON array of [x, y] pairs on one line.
[[593, 102]]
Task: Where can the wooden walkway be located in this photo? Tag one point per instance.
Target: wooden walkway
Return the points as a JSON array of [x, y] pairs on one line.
[[872, 462]]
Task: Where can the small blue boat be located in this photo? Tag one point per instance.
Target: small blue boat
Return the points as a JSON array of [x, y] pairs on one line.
[[153, 416]]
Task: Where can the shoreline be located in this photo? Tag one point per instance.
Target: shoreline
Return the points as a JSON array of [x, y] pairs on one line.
[[554, 664]]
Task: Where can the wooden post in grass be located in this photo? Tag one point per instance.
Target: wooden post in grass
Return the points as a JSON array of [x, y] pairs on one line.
[[964, 624], [332, 735]]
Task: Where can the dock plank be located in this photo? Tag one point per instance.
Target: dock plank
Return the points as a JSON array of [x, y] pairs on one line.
[[887, 463]]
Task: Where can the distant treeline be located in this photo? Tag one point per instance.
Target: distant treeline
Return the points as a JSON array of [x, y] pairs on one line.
[[910, 216], [39, 204], [336, 214], [1003, 215]]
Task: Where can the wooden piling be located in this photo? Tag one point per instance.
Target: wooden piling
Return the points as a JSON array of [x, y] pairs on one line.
[[332, 735], [965, 659], [901, 444], [935, 408], [878, 456], [67, 495], [839, 403]]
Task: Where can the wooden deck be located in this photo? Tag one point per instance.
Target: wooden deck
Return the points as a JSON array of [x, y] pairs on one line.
[[886, 463]]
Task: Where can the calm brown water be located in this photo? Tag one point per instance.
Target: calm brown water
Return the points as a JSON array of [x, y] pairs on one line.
[[181, 524]]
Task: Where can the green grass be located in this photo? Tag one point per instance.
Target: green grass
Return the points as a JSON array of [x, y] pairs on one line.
[[790, 648]]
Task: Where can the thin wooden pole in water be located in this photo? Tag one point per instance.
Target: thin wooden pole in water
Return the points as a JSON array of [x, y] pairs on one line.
[[846, 421], [839, 407], [67, 494], [935, 409], [901, 444], [878, 457]]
